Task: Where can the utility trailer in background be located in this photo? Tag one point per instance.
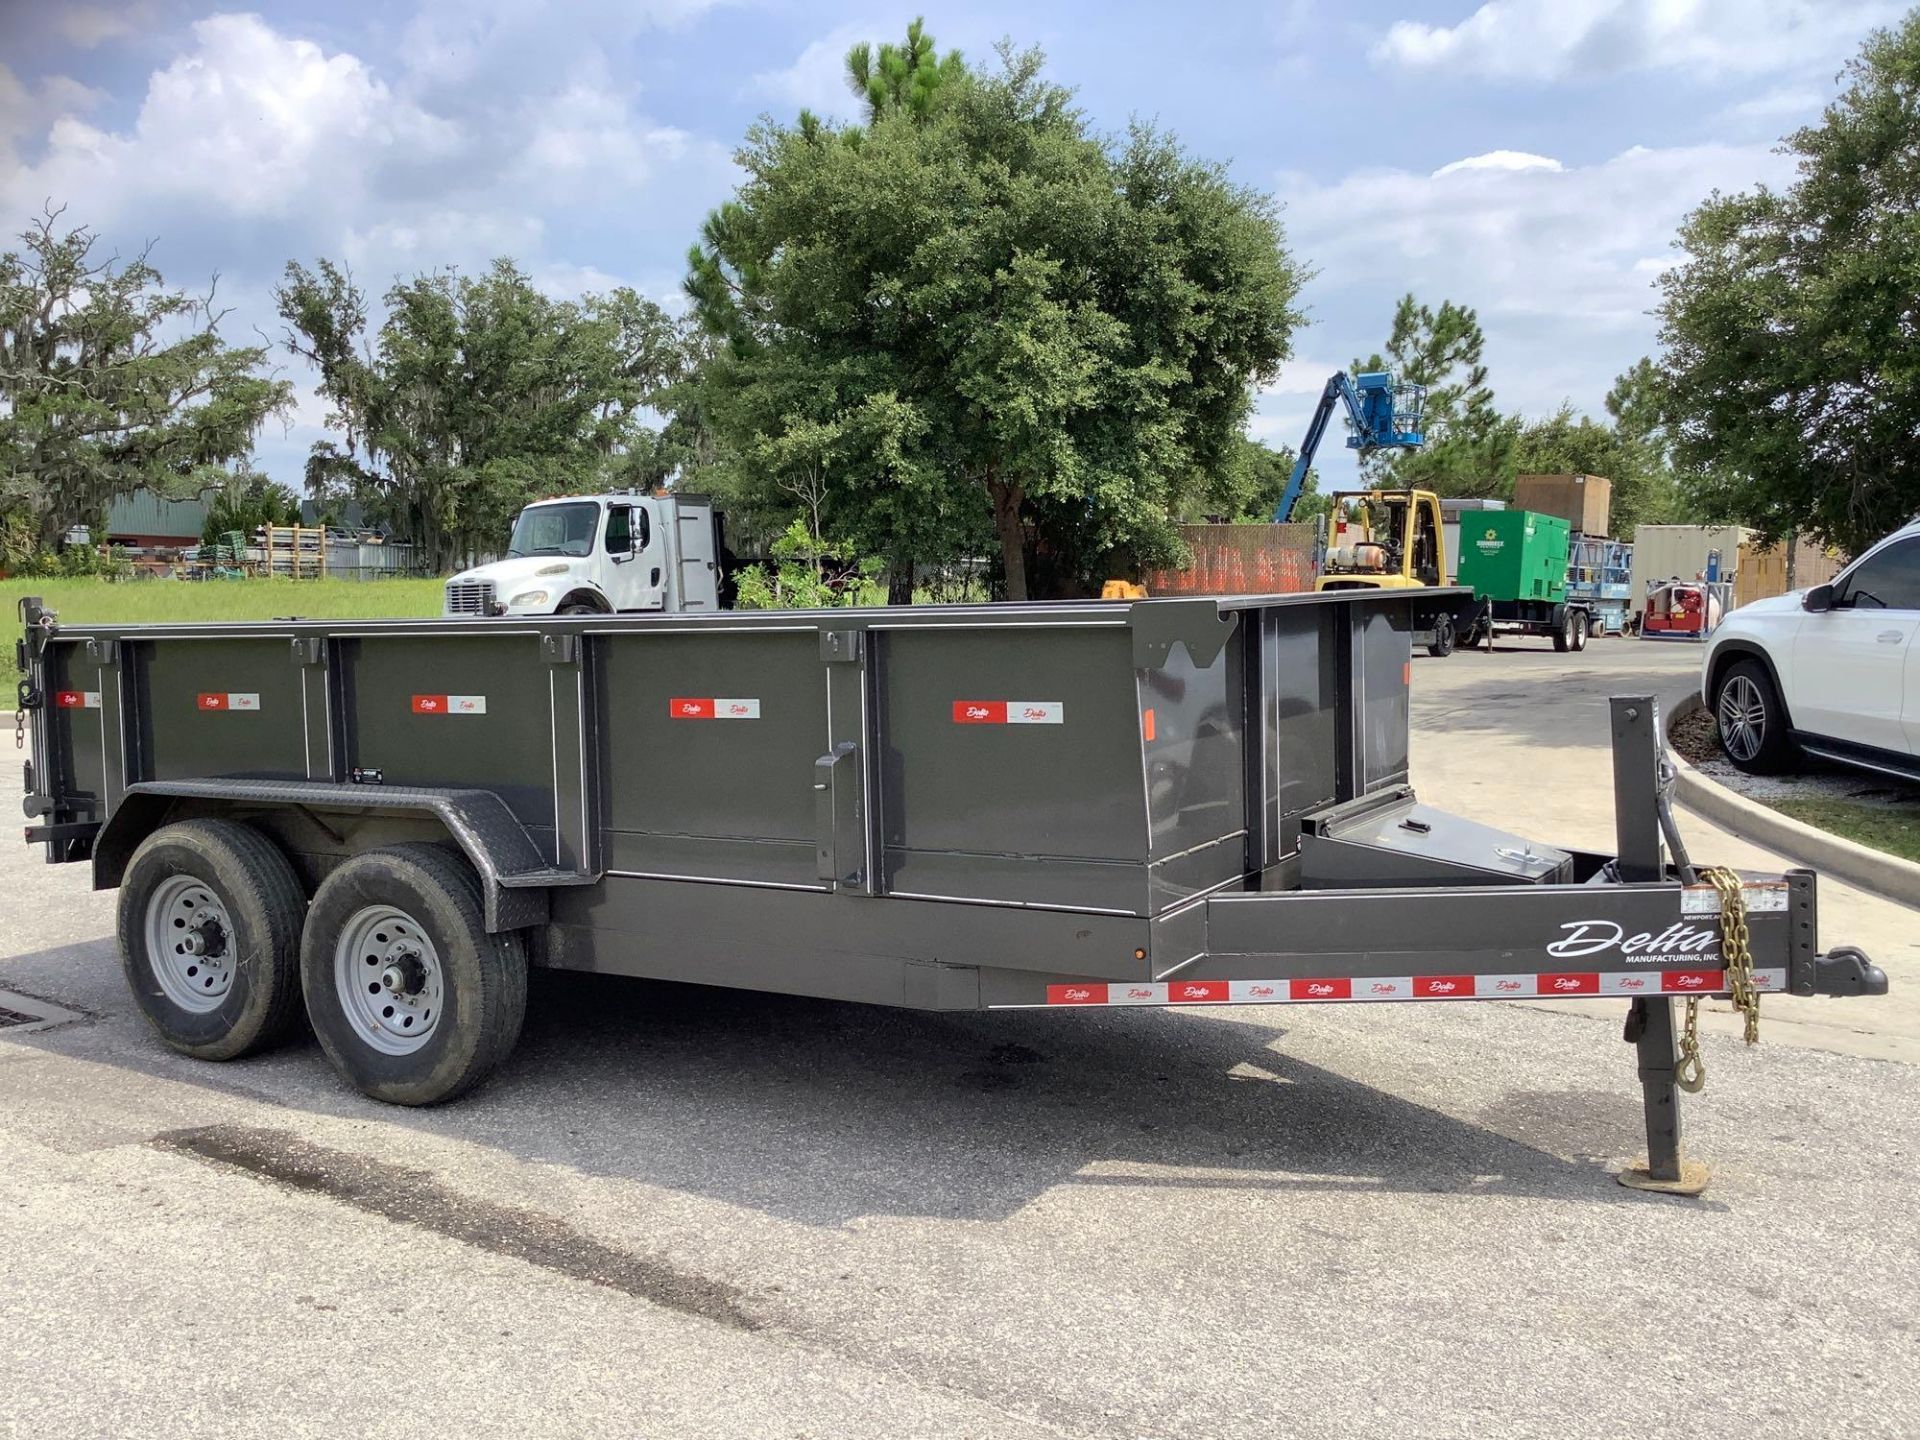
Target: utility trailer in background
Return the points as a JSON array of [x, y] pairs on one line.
[[1162, 802]]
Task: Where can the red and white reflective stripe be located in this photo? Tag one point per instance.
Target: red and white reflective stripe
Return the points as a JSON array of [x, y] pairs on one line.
[[1009, 712], [449, 704], [1310, 989], [229, 700], [76, 699], [686, 707]]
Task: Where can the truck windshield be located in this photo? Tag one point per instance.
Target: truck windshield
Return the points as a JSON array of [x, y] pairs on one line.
[[555, 530]]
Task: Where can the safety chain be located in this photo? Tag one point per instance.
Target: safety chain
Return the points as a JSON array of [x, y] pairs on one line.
[[1737, 960], [1735, 957]]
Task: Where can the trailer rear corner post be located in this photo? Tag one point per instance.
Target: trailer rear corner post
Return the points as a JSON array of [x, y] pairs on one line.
[[1650, 1027]]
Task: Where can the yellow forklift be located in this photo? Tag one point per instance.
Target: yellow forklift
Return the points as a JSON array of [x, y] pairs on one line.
[[1387, 540]]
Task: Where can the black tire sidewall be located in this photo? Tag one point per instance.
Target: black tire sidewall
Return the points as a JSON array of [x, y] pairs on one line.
[[1775, 749], [244, 1019], [457, 1054]]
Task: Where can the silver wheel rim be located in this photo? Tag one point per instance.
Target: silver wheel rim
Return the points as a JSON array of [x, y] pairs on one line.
[[190, 945], [389, 979], [1743, 718]]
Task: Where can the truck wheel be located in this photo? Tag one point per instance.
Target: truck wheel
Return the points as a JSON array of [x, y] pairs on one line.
[[1442, 644], [1580, 627], [1752, 720], [1563, 634], [577, 609], [413, 1000], [209, 927]]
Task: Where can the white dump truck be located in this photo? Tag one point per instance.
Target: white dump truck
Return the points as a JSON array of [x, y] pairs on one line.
[[601, 554]]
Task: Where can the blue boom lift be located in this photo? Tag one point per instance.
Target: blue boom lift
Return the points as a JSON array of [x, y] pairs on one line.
[[1382, 415]]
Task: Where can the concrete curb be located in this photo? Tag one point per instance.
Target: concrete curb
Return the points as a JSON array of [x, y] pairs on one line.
[[1886, 875]]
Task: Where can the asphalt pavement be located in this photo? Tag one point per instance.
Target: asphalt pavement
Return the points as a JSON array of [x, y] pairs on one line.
[[684, 1212]]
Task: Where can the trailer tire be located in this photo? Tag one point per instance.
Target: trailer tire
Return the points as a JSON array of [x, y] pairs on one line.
[[1563, 632], [396, 938], [1580, 628], [1443, 637], [223, 886]]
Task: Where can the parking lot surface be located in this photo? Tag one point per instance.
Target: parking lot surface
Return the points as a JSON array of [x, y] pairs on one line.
[[685, 1212]]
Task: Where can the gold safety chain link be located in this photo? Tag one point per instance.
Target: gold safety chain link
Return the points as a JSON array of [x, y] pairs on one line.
[[1736, 958]]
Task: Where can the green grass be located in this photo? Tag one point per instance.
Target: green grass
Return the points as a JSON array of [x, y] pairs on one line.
[[1894, 829], [82, 602]]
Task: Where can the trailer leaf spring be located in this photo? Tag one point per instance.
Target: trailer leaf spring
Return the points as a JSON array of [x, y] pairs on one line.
[[1737, 960]]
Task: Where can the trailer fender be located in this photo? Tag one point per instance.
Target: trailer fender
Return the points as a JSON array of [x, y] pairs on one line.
[[515, 876]]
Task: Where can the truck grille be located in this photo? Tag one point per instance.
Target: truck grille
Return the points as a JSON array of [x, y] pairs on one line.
[[470, 597]]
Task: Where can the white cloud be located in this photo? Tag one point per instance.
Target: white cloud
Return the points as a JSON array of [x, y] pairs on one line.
[[248, 146], [89, 25], [817, 79], [247, 119], [1560, 261], [1543, 41], [1500, 160], [1302, 377]]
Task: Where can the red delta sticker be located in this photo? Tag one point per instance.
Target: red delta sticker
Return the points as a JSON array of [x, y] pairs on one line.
[[229, 700], [1569, 985], [1442, 987], [1320, 989], [1697, 982], [1196, 992], [1009, 712], [449, 704], [1076, 994], [687, 707], [76, 699]]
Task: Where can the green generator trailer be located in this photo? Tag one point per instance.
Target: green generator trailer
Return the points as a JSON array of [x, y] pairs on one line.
[[1516, 562]]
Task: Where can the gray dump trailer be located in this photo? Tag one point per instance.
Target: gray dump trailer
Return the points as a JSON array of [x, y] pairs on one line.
[[1161, 802]]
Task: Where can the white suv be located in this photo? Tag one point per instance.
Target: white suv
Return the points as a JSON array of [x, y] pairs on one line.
[[1832, 671]]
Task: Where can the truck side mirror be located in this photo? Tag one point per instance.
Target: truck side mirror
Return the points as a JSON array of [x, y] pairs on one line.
[[1818, 599]]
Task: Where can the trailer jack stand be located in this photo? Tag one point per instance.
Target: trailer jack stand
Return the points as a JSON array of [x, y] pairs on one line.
[[1665, 1171]]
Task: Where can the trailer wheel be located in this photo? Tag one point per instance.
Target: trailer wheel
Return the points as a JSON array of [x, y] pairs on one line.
[[209, 929], [1580, 627], [1443, 637], [413, 1000], [1563, 633]]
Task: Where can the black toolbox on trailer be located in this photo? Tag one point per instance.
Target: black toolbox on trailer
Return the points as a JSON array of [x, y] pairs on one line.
[[1184, 801]]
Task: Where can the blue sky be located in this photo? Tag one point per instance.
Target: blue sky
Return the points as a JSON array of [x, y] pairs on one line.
[[1527, 157]]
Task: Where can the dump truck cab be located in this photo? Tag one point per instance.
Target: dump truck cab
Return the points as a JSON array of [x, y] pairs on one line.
[[1385, 540], [600, 554]]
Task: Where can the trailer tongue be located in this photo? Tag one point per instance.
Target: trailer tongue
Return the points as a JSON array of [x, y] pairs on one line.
[[1162, 802]]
